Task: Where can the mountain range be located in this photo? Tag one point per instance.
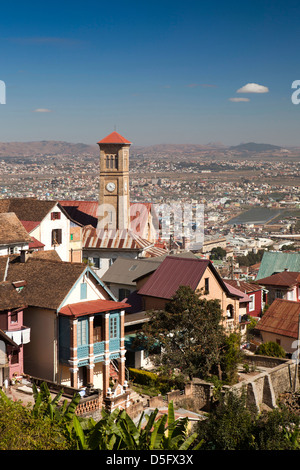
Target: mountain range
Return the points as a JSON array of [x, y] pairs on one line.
[[52, 148]]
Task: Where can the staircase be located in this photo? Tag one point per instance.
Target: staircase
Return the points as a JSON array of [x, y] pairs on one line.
[[114, 371]]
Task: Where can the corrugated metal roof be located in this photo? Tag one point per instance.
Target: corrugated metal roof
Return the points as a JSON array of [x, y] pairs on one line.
[[233, 290], [118, 240], [285, 279], [275, 262], [243, 286], [281, 318], [173, 273], [90, 307]]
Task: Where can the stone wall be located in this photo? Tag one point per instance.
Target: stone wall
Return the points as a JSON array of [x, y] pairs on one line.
[[264, 388]]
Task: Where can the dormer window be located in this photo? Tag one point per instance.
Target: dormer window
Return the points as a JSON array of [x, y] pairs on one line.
[[55, 215]]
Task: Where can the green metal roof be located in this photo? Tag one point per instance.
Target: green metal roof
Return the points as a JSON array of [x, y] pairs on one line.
[[276, 262]]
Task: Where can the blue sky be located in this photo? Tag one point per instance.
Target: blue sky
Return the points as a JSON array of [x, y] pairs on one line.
[[157, 72]]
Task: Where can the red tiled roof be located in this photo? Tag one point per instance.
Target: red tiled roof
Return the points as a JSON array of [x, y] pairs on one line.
[[285, 278], [281, 318], [90, 307], [173, 273], [29, 225], [36, 243], [114, 138]]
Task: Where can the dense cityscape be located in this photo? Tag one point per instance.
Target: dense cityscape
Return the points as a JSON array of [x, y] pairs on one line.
[[149, 229]]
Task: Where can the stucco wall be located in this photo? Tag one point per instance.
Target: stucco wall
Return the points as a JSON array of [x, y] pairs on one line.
[[40, 353]]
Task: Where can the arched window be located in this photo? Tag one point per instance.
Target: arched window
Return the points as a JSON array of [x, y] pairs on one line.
[[229, 311]]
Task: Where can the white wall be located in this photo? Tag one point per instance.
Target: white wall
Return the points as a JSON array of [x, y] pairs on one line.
[[94, 292], [5, 249], [45, 233]]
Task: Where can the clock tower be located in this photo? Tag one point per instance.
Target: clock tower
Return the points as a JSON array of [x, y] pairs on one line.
[[114, 205]]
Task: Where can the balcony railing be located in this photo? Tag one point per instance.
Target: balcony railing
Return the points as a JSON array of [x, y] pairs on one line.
[[99, 348]]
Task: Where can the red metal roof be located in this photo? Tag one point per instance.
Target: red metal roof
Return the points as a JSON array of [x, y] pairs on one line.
[[281, 318], [285, 278], [173, 273], [91, 307], [114, 138], [243, 286], [233, 290]]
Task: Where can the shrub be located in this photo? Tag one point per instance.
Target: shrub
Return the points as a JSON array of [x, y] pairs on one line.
[[270, 349], [143, 377]]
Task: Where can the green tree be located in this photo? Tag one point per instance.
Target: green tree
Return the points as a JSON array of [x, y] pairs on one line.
[[217, 253], [233, 426], [270, 349], [228, 426], [189, 332], [230, 358], [21, 429]]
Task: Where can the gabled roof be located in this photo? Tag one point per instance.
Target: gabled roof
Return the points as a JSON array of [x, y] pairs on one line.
[[244, 286], [29, 209], [48, 281], [82, 212], [233, 290], [282, 318], [125, 271], [118, 240], [283, 279], [175, 272], [10, 298], [12, 230], [275, 262], [114, 138]]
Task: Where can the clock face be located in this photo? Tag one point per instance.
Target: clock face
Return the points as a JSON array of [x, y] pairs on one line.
[[110, 187]]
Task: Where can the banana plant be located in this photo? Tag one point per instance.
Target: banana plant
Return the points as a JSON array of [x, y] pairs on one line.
[[117, 431], [45, 405]]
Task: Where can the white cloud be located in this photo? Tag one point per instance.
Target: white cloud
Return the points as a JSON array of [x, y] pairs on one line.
[[42, 110], [238, 99], [253, 88]]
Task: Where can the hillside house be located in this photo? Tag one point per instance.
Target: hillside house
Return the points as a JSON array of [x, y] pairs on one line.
[[280, 324], [77, 327], [13, 236], [284, 285], [13, 334], [45, 221], [256, 293], [200, 274]]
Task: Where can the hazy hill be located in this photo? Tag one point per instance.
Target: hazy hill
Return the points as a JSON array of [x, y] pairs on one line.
[[253, 147], [50, 147]]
